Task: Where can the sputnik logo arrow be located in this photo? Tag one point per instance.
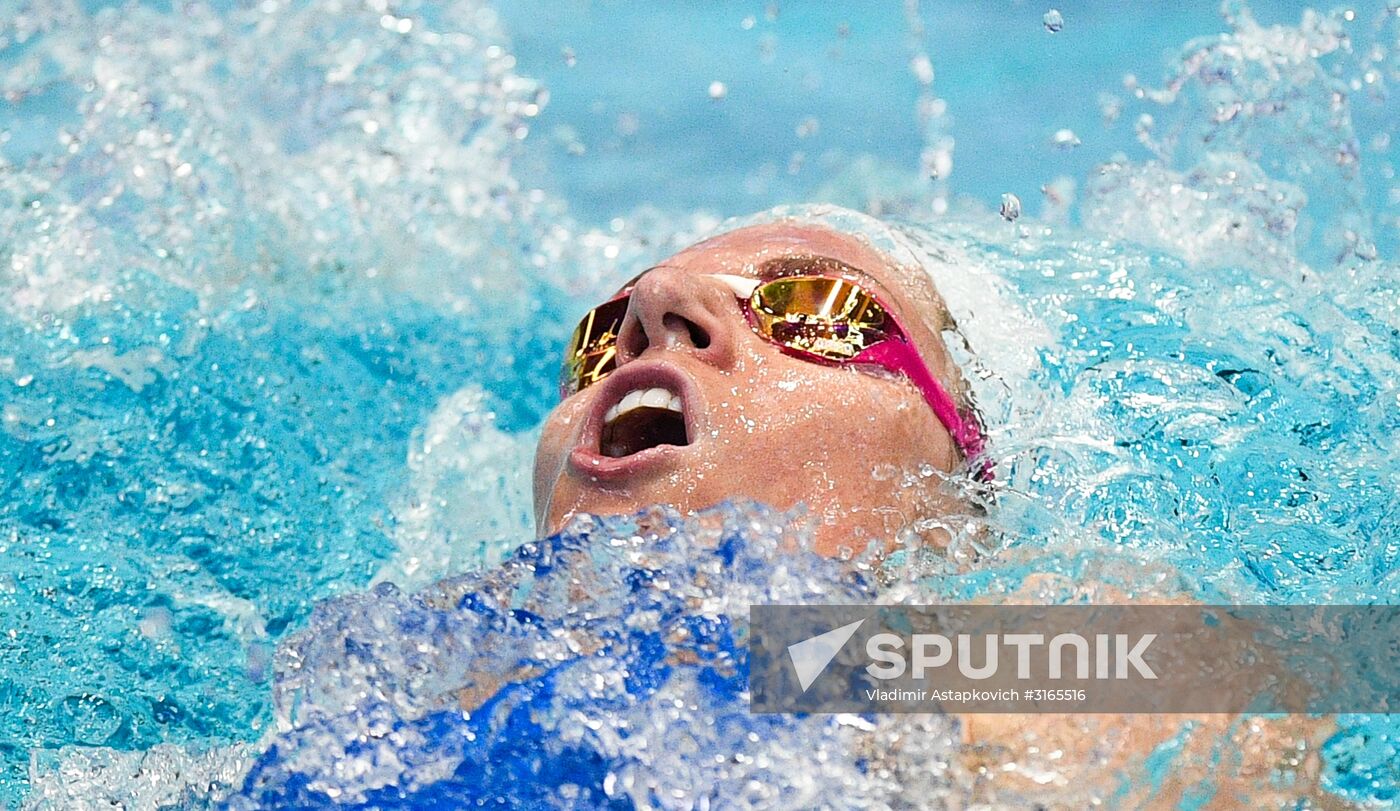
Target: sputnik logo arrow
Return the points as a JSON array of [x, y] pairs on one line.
[[811, 656]]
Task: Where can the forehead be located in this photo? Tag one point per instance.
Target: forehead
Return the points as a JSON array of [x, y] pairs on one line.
[[745, 251]]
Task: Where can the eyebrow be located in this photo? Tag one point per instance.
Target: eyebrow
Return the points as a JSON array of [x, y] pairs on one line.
[[790, 266], [795, 265]]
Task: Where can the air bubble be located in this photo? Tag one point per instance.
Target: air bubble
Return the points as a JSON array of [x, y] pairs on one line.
[[1053, 21]]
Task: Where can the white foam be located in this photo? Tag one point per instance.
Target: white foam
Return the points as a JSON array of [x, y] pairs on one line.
[[468, 500], [77, 778]]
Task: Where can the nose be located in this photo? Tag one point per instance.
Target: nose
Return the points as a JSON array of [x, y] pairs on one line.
[[677, 311]]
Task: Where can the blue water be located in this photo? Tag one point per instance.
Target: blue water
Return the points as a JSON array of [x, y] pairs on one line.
[[286, 284]]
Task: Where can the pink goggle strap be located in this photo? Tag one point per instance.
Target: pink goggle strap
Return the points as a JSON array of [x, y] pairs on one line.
[[897, 355]]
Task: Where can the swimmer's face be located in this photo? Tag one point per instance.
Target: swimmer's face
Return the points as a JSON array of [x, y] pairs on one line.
[[754, 422]]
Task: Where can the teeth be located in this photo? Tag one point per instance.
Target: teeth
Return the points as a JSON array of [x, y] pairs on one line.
[[644, 398]]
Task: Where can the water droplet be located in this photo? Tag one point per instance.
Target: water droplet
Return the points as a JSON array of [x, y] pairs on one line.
[[1143, 127], [88, 718], [155, 623], [1010, 207], [937, 163], [718, 90], [1110, 107], [1065, 139], [767, 48], [1059, 196], [922, 69], [1054, 21]]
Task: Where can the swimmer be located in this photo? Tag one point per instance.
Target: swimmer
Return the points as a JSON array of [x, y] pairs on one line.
[[787, 361], [782, 362]]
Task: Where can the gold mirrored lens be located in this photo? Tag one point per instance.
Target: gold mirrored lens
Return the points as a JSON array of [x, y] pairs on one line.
[[831, 318], [592, 351]]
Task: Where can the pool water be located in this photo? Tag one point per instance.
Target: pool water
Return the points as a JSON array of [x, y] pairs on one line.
[[286, 284]]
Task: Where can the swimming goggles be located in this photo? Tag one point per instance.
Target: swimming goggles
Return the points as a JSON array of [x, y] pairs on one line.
[[823, 319]]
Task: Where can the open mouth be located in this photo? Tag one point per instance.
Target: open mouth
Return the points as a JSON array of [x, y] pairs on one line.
[[643, 419]]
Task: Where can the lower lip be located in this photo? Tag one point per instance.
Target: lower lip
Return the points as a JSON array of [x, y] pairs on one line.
[[610, 468]]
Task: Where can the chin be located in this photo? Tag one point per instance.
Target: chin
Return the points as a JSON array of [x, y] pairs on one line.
[[571, 499]]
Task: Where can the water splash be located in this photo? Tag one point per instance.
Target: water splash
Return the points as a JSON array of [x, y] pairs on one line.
[[247, 252], [605, 666], [164, 776], [273, 289], [1261, 119], [469, 494]]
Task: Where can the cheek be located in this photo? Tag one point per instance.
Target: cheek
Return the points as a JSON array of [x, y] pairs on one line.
[[826, 420], [556, 439], [554, 435]]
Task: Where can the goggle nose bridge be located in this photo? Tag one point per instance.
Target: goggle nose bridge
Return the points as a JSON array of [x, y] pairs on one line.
[[743, 286]]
